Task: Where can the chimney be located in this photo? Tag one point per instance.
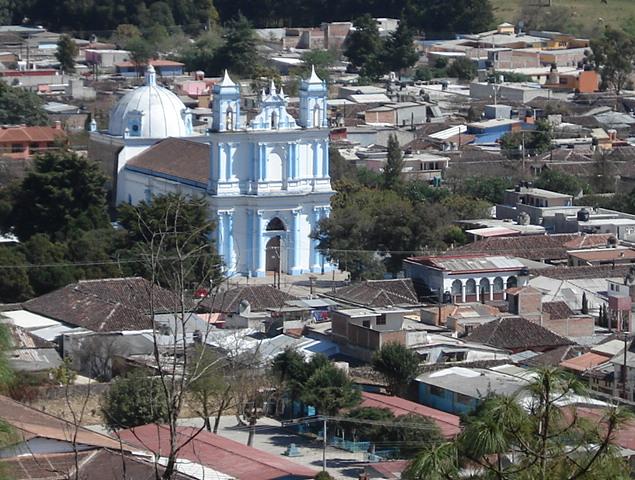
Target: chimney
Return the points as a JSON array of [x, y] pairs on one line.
[[58, 125]]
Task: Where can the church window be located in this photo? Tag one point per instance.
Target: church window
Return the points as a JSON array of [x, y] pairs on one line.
[[274, 120], [275, 225], [316, 116], [229, 119]]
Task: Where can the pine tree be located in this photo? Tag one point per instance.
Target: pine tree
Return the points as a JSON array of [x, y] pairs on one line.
[[585, 304], [394, 163], [66, 52]]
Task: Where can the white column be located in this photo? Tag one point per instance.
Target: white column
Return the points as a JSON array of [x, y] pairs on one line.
[[259, 251], [491, 289], [229, 249], [296, 246], [463, 286], [314, 260]]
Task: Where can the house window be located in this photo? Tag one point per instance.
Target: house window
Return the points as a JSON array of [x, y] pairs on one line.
[[16, 147], [381, 320], [366, 323], [436, 391], [463, 399]]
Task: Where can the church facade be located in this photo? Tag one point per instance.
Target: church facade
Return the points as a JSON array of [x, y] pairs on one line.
[[266, 182]]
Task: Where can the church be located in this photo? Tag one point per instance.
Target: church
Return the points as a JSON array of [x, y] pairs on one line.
[[266, 181]]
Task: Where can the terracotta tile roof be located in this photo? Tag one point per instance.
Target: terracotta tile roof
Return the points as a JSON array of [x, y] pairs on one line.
[[598, 271], [31, 423], [532, 247], [260, 298], [584, 361], [174, 157], [22, 134], [52, 466], [624, 437], [391, 469], [378, 293], [100, 464], [218, 453], [558, 310], [605, 254], [554, 357], [450, 425], [514, 333], [588, 241], [104, 305]]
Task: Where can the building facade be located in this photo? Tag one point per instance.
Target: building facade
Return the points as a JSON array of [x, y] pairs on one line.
[[267, 182]]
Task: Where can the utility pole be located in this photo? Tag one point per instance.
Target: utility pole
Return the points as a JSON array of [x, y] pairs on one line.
[[624, 367], [324, 446]]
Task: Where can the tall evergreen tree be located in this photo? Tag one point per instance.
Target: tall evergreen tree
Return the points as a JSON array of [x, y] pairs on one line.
[[239, 54], [394, 163], [66, 52], [399, 49], [364, 47]]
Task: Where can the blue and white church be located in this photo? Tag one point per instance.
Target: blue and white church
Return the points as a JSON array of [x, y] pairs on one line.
[[266, 181]]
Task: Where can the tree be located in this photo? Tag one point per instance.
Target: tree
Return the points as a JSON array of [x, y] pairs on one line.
[[585, 304], [239, 54], [561, 182], [329, 390], [394, 163], [398, 365], [364, 47], [63, 192], [184, 227], [67, 51], [613, 55], [339, 167], [141, 51], [14, 279], [547, 441], [133, 400], [490, 189], [209, 387], [19, 106], [399, 50], [463, 68], [124, 33], [204, 53], [40, 251]]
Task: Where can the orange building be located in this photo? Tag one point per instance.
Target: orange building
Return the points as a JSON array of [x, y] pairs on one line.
[[21, 142]]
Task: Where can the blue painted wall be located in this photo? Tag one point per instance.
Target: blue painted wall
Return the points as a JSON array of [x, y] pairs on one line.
[[445, 400]]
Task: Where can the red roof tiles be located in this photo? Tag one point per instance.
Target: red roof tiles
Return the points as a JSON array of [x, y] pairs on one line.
[[448, 424], [22, 134], [218, 453]]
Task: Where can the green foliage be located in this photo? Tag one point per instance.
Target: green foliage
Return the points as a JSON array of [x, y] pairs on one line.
[[238, 54], [7, 375], [561, 182], [394, 163], [547, 442], [613, 55], [367, 432], [556, 18], [364, 47], [462, 68], [63, 192], [323, 475], [19, 106], [529, 142], [14, 279], [203, 54], [38, 251], [329, 390], [141, 50], [206, 381], [67, 50], [64, 374], [339, 167], [490, 189], [321, 59], [134, 400], [398, 365], [466, 208], [176, 230], [375, 57]]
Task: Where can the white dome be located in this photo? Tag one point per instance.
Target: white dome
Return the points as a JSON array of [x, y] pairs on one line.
[[162, 114]]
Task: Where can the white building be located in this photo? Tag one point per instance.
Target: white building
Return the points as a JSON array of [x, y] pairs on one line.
[[467, 278], [267, 183]]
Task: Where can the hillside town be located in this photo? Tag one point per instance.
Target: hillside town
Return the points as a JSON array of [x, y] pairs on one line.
[[313, 242]]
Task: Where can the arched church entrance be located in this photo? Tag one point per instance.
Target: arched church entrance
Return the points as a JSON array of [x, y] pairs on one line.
[[274, 249]]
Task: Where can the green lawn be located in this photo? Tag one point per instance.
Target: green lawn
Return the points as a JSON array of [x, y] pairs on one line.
[[588, 15]]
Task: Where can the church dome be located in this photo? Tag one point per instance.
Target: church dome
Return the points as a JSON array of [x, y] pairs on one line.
[[150, 111]]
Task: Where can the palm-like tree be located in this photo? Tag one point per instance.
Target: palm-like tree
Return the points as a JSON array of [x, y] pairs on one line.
[[536, 434]]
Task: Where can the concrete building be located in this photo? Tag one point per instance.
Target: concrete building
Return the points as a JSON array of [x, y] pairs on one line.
[[466, 278]]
